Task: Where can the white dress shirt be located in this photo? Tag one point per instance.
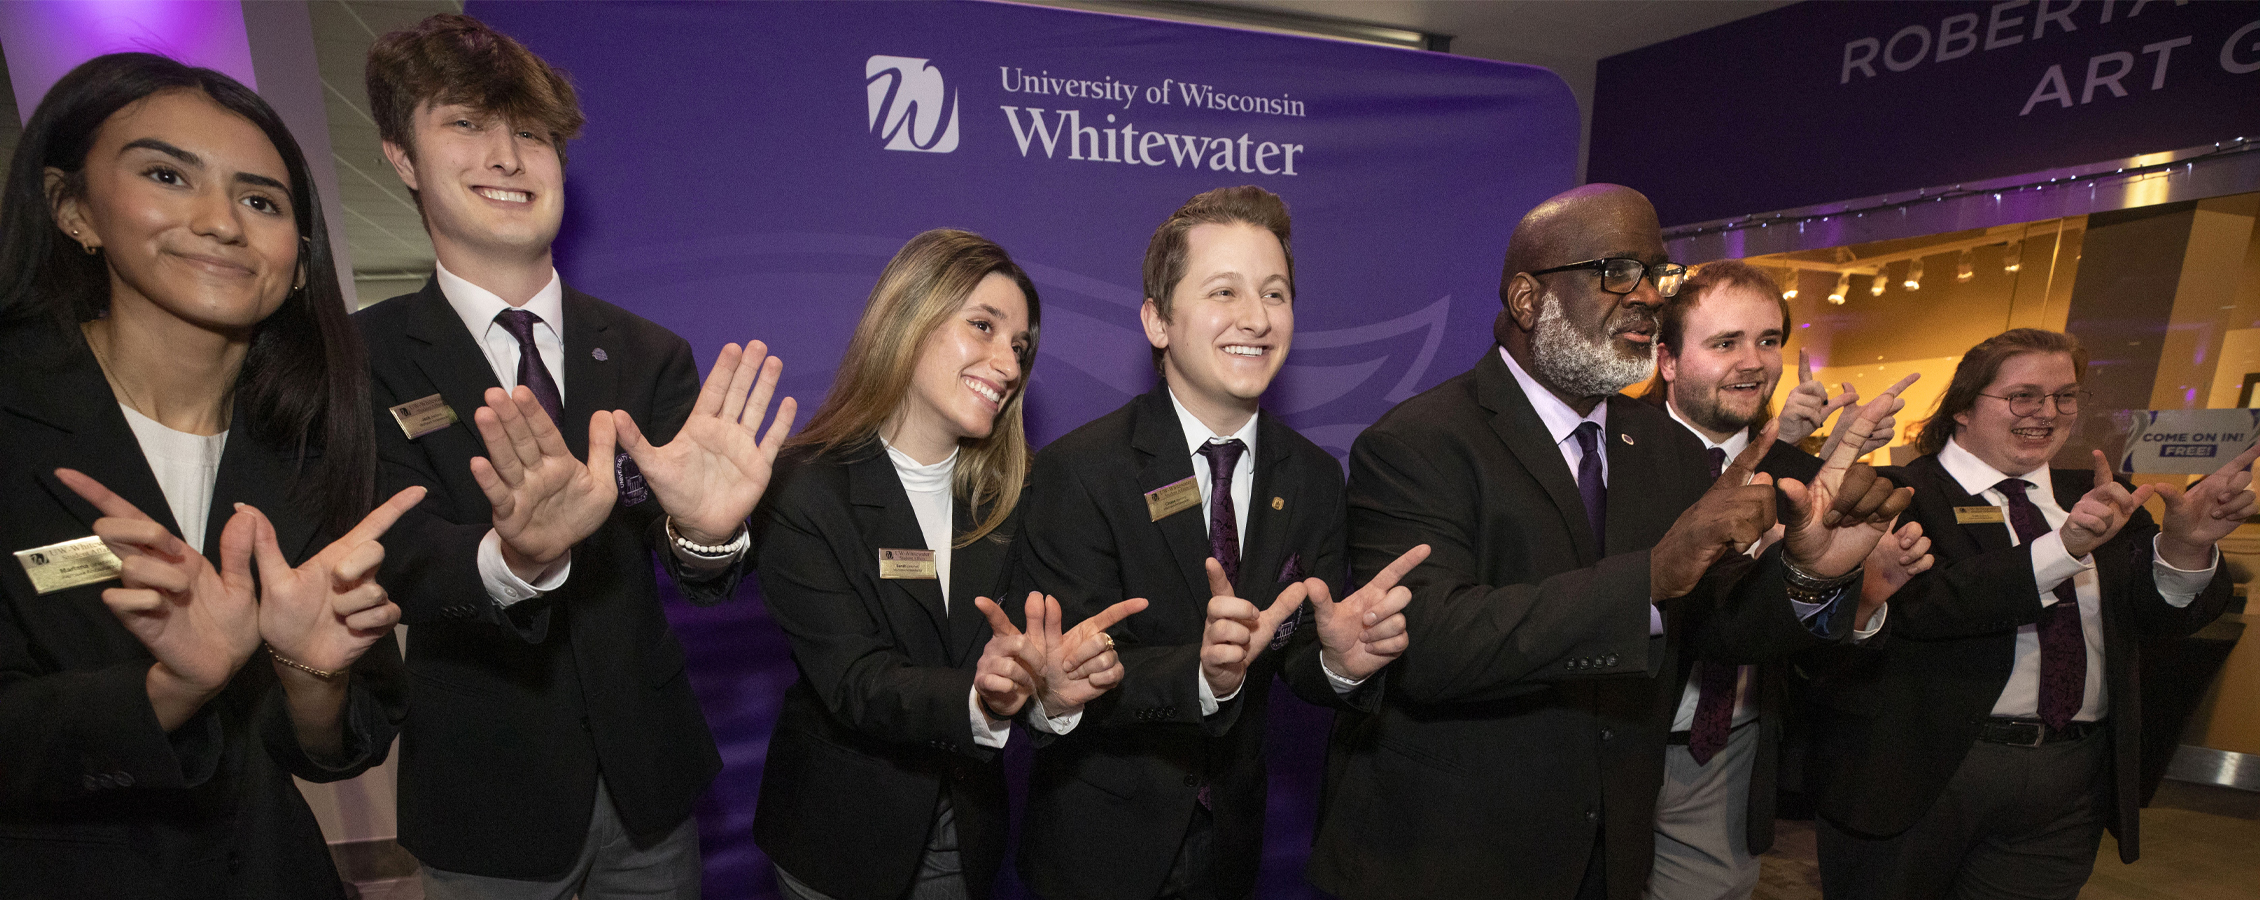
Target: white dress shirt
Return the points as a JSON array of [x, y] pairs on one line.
[[2051, 565], [1745, 679], [932, 501], [1198, 435], [186, 465]]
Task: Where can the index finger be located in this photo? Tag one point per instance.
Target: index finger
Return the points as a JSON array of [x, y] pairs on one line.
[[1109, 616], [1856, 434], [1745, 464], [2102, 469], [110, 504], [1282, 606], [380, 520], [998, 622], [1396, 570], [1903, 383], [2242, 461], [1804, 366]]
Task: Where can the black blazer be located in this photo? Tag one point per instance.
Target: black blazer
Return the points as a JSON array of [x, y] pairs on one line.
[[1523, 722], [1902, 715], [1110, 801], [518, 710], [95, 799], [877, 730]]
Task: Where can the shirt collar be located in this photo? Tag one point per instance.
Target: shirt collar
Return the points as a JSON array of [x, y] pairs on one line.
[[1561, 421], [477, 306], [1733, 445], [1976, 476], [1198, 433], [921, 478]]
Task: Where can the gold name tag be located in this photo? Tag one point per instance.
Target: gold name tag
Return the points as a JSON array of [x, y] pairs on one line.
[[918, 564], [69, 564], [421, 417], [1980, 515], [1171, 499]]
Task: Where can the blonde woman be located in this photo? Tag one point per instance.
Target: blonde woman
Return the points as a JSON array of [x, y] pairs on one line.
[[884, 533]]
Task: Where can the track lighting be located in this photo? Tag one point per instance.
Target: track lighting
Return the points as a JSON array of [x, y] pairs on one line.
[[2012, 256], [1966, 268], [1914, 280], [1843, 286]]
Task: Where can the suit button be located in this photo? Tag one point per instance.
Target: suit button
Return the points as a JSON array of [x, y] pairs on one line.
[[1192, 781], [1608, 735], [104, 781], [1612, 659], [1592, 816], [123, 779], [90, 783]]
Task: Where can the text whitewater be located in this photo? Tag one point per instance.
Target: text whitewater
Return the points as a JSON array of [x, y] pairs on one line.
[[1128, 145]]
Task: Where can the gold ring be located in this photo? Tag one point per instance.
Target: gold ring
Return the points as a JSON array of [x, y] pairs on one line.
[[1108, 638]]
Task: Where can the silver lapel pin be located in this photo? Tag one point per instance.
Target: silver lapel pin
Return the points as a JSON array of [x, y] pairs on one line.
[[599, 354]]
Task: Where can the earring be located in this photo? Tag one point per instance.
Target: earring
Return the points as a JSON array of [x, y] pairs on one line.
[[90, 249]]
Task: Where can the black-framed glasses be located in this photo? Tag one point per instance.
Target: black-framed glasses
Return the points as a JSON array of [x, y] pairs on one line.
[[2027, 403], [1621, 275]]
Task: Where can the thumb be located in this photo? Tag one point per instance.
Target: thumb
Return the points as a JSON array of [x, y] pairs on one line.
[[631, 437], [1218, 585], [1282, 606], [247, 532], [265, 547], [1798, 494], [602, 444]]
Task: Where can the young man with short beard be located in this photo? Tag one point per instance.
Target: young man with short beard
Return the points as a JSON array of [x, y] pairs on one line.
[[554, 746], [1518, 748]]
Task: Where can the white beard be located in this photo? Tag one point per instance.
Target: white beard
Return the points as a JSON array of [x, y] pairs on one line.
[[1573, 364]]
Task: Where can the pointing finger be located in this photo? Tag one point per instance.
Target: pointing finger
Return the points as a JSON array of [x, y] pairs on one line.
[[1218, 585], [998, 621], [2102, 469], [93, 492], [380, 520], [1396, 570], [1804, 366]]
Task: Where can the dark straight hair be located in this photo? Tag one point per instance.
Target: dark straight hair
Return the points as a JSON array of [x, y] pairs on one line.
[[304, 385]]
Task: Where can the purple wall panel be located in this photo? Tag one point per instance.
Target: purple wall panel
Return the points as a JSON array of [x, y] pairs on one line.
[[736, 181]]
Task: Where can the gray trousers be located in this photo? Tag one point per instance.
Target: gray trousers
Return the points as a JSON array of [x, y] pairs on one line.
[[613, 865], [941, 872], [1702, 824], [2015, 823]]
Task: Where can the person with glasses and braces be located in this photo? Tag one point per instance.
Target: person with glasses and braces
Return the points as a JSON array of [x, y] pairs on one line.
[[1580, 545], [1982, 743]]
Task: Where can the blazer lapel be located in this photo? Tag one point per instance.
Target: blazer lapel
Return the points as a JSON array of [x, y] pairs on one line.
[[884, 517], [1161, 440], [1516, 423], [1633, 452], [1984, 537], [972, 571], [450, 356], [263, 478], [591, 380], [92, 437], [1261, 557]]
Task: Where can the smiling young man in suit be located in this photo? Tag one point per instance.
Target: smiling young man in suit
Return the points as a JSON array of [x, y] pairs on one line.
[[555, 747], [1224, 520], [1580, 544], [1981, 746]]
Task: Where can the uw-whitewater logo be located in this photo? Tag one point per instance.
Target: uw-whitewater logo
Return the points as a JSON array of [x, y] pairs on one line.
[[909, 103]]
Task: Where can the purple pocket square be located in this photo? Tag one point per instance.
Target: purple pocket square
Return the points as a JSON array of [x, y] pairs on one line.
[[630, 479], [1293, 570]]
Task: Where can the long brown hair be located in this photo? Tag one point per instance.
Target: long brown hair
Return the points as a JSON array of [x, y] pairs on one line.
[[1978, 368], [923, 286]]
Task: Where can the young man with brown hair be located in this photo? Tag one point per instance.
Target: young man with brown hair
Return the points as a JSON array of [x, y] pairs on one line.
[[555, 747]]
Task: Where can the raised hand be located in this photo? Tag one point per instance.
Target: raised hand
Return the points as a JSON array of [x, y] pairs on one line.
[[544, 500], [2205, 512], [1735, 512], [1237, 631], [710, 476], [1808, 405], [2108, 505], [1881, 433], [200, 623], [1080, 665], [325, 613], [1366, 630], [1840, 516], [1005, 677], [1894, 561]]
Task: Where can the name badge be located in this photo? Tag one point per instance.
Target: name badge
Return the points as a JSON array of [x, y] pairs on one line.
[[1980, 515], [1171, 499], [69, 564], [421, 417], [911, 564]]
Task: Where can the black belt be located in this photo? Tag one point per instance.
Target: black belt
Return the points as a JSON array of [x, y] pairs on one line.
[[1679, 738], [2032, 732]]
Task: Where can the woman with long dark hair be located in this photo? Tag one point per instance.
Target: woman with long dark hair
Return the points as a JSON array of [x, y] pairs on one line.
[[186, 459], [887, 515]]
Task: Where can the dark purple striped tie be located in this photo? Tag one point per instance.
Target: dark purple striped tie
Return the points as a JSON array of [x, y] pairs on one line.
[[1590, 485], [1223, 523], [2063, 645], [531, 372], [1714, 705]]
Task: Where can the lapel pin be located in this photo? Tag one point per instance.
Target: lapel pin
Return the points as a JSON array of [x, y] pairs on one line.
[[1627, 438], [1278, 503], [599, 354]]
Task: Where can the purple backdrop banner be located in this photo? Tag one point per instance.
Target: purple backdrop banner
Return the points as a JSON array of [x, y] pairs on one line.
[[749, 168], [1821, 102]]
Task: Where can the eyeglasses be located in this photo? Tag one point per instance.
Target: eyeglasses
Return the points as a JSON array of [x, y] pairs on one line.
[[1620, 275], [2026, 403]]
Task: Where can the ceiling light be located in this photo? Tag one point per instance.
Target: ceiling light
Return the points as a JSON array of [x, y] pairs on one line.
[[1914, 280], [1789, 285], [1966, 268], [1843, 286], [2012, 256], [1875, 285]]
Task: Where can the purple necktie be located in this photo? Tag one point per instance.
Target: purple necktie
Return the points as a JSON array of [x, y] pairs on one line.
[[531, 372], [1714, 706], [1223, 525], [2063, 646], [1590, 486]]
